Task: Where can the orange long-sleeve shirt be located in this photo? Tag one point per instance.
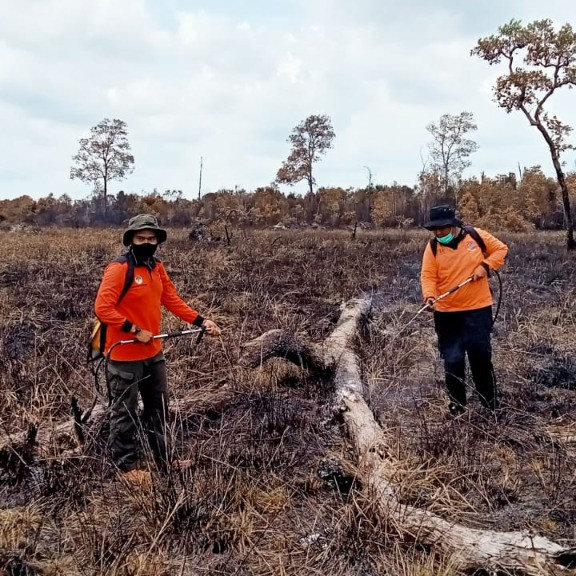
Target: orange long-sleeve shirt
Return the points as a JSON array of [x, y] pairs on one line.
[[141, 305], [450, 266]]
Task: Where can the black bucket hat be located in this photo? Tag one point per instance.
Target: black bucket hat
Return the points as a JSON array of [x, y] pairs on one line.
[[143, 222], [442, 216]]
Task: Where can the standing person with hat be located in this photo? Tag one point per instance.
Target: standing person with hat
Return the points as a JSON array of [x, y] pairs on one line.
[[463, 319], [139, 368]]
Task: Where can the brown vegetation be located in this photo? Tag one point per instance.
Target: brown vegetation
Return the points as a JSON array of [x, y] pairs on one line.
[[275, 487], [516, 203]]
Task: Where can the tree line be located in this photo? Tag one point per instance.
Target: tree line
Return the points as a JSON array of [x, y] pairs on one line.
[[525, 201]]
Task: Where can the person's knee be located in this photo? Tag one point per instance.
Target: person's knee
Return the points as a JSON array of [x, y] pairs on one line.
[[478, 343], [452, 353], [480, 355]]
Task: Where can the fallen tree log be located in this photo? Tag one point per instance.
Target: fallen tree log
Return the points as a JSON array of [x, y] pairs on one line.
[[333, 355], [469, 548]]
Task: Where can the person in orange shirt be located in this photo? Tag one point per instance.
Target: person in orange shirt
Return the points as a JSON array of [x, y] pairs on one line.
[[139, 368], [463, 319]]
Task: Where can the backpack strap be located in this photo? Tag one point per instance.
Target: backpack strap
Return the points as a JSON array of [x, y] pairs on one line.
[[128, 279], [129, 274], [469, 230], [434, 246], [474, 233]]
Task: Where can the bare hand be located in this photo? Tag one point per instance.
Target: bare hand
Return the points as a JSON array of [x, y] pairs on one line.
[[212, 328], [144, 336], [479, 273], [431, 304]]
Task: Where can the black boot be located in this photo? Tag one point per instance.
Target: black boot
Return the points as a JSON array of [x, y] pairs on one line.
[[455, 409]]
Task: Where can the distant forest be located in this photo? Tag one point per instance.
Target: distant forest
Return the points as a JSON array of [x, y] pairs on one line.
[[525, 202]]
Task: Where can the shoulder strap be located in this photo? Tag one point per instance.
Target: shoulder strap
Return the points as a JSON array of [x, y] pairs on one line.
[[96, 353], [129, 274], [469, 230], [434, 246]]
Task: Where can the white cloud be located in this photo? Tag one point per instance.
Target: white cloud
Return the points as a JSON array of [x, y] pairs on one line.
[[229, 83], [290, 67]]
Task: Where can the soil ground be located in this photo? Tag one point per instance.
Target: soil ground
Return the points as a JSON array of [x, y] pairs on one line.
[[273, 488]]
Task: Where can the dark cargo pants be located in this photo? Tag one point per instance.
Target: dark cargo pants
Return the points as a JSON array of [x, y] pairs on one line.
[[126, 380], [467, 333]]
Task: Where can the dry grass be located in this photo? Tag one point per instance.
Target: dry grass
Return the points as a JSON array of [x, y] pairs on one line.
[[273, 488]]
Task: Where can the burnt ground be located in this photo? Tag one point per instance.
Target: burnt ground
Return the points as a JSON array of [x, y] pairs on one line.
[[273, 488]]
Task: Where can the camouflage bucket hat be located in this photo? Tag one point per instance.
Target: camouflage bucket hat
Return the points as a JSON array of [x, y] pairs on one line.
[[143, 222]]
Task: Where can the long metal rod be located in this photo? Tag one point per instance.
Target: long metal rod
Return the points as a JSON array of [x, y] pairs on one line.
[[453, 289], [426, 306], [106, 359], [164, 335]]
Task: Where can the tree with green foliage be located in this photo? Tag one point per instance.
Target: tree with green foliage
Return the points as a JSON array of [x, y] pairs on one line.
[[450, 149], [310, 140], [539, 61], [104, 156]]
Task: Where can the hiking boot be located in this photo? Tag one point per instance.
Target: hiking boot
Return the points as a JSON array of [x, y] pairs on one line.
[[456, 409], [137, 477]]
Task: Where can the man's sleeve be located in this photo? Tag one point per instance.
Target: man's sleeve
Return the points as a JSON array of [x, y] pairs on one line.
[[496, 250], [108, 294], [429, 274]]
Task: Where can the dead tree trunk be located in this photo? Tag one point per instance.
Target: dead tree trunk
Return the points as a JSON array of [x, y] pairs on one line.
[[470, 548]]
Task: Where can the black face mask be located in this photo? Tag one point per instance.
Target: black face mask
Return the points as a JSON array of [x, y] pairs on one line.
[[143, 252]]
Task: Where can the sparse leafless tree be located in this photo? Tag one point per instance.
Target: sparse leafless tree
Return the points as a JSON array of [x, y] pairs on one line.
[[310, 140], [104, 156], [450, 149]]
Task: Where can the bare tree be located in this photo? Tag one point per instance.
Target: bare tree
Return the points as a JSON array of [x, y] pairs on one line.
[[310, 140], [104, 156], [369, 177], [450, 149], [539, 60]]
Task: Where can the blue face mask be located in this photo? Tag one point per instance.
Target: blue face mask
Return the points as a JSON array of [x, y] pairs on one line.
[[446, 239]]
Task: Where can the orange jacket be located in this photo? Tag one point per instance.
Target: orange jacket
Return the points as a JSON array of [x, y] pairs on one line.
[[141, 305], [450, 266]]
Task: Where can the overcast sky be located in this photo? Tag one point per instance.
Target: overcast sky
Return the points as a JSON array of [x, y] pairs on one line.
[[228, 80]]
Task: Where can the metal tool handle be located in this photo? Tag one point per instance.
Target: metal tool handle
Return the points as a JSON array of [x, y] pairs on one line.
[[453, 289], [165, 335], [447, 293]]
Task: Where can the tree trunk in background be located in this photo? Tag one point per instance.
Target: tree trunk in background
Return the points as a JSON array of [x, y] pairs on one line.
[[568, 220]]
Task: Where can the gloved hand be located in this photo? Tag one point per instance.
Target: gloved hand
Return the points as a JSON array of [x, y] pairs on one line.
[[431, 304]]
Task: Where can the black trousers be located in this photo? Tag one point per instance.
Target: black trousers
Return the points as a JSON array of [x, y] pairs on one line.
[[127, 380], [462, 334]]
